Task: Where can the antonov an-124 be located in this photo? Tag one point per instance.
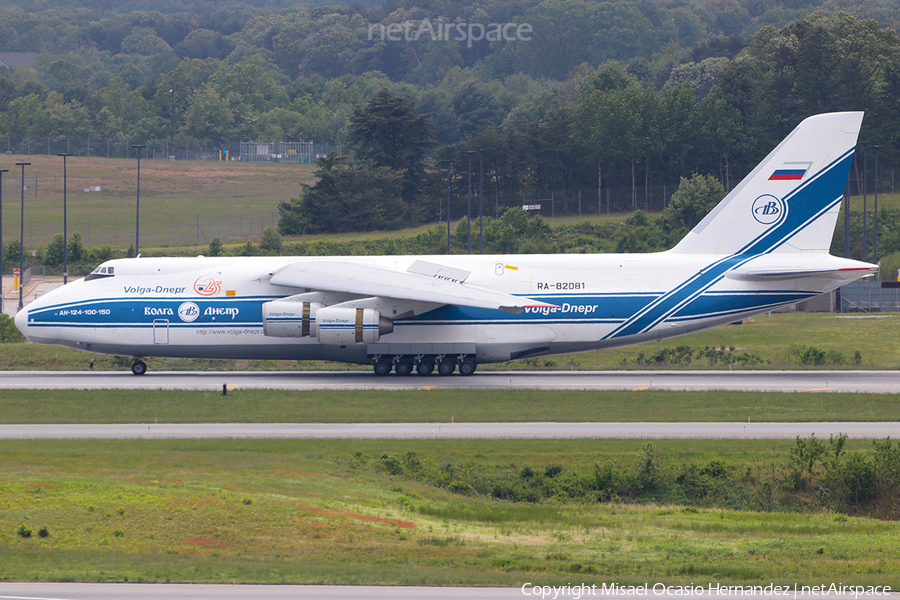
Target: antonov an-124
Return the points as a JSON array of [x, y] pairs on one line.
[[763, 247]]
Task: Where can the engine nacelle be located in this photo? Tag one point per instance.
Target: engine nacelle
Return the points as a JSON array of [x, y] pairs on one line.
[[287, 318], [343, 326]]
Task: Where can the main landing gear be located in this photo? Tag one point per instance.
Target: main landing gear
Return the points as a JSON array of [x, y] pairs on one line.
[[138, 367], [423, 365]]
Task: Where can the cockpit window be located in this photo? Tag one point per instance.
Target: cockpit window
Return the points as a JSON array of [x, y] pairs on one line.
[[101, 272]]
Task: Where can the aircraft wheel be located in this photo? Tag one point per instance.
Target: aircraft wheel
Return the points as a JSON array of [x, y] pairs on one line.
[[425, 367], [139, 367], [467, 367], [446, 367], [403, 367], [382, 368]]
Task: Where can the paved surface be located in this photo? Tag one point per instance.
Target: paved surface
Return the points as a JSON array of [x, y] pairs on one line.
[[451, 430], [36, 288], [114, 591], [770, 381], [129, 591]]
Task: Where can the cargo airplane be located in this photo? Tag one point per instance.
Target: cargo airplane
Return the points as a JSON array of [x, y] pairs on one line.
[[763, 247]]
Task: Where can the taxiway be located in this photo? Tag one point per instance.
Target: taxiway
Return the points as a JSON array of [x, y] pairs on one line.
[[882, 382]]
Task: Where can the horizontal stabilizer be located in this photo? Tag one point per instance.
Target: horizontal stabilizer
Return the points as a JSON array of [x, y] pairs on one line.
[[839, 275], [798, 267], [353, 278]]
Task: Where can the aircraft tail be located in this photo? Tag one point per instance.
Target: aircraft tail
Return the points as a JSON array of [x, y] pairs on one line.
[[790, 201]]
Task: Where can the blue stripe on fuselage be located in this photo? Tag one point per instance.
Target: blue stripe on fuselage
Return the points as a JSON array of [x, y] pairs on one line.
[[607, 308], [132, 312]]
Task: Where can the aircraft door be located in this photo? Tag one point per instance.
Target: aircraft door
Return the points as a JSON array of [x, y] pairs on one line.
[[160, 331]]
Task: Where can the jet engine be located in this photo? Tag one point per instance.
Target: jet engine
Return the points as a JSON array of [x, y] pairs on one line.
[[345, 325], [339, 325], [288, 318]]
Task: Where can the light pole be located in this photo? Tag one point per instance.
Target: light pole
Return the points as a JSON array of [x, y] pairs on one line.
[[481, 202], [865, 243], [469, 210], [172, 119], [449, 166], [875, 223], [22, 235], [2, 171], [847, 219], [137, 216], [65, 156]]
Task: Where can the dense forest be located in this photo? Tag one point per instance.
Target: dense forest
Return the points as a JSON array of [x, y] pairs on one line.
[[558, 95]]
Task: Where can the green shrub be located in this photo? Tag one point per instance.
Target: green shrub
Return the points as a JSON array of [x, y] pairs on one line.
[[9, 334]]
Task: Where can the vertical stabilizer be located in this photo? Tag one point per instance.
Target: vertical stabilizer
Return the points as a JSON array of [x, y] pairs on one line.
[[790, 201]]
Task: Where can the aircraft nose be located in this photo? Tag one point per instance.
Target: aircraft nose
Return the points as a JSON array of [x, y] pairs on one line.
[[22, 321]]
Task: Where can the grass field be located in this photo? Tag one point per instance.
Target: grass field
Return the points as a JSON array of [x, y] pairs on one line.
[[776, 341], [230, 200], [322, 512], [328, 511], [436, 406]]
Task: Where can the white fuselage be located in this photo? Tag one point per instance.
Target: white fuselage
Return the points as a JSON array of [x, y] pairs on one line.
[[212, 307]]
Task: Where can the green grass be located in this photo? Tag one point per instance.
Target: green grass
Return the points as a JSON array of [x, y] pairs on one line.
[[437, 406], [308, 511], [876, 337], [176, 197]]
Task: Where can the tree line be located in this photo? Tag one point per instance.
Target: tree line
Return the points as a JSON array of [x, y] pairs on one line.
[[672, 108]]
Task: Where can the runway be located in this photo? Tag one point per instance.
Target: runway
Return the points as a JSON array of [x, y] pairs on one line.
[[882, 382], [120, 591]]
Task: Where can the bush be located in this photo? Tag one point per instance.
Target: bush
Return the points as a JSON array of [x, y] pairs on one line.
[[859, 480], [215, 247], [391, 464], [23, 531], [8, 332], [271, 242], [649, 468]]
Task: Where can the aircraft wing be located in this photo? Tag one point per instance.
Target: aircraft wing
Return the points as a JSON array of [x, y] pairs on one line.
[[443, 286]]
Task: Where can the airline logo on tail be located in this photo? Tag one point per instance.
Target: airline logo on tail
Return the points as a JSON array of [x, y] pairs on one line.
[[767, 209]]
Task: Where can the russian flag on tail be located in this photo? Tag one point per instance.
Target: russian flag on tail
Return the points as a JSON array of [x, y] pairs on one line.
[[790, 172]]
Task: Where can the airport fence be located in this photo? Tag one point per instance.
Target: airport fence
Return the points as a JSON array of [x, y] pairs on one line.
[[868, 297], [93, 147]]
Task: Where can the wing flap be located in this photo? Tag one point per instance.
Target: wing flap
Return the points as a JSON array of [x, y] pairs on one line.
[[365, 280]]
